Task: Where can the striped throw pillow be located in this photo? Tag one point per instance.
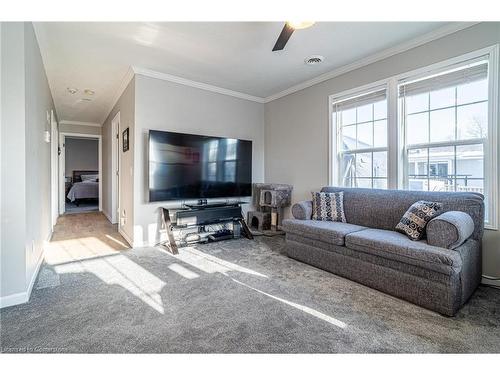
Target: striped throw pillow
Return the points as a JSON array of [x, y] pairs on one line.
[[328, 206]]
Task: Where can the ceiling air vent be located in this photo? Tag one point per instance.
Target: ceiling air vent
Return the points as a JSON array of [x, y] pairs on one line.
[[314, 60]]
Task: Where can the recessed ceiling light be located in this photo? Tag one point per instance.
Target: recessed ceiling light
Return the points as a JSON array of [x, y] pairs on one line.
[[72, 90], [298, 25], [89, 92], [314, 60]]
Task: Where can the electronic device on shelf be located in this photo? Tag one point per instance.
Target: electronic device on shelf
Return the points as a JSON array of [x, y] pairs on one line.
[[212, 205], [191, 166], [222, 234], [207, 215], [202, 216], [199, 167]]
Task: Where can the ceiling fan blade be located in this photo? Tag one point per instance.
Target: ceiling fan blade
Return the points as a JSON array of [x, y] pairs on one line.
[[283, 38]]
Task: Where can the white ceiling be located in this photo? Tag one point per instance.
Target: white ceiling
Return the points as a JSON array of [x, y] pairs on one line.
[[234, 56]]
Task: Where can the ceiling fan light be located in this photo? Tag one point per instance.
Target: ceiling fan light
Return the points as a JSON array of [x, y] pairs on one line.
[[298, 25]]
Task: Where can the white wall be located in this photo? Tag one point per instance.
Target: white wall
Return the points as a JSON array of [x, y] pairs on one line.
[[82, 154], [126, 106], [38, 104], [296, 132], [80, 129], [168, 106], [13, 133], [26, 223]]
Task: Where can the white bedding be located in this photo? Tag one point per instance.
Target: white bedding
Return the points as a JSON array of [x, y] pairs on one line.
[[85, 189]]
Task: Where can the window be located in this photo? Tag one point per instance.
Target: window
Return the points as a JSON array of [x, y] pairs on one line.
[[212, 150], [432, 129], [361, 124], [444, 118], [230, 160]]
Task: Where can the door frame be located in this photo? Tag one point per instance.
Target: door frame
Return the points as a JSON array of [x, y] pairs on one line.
[[62, 166], [115, 168], [54, 172]]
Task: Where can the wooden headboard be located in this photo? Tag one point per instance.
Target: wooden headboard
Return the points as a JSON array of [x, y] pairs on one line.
[[77, 175]]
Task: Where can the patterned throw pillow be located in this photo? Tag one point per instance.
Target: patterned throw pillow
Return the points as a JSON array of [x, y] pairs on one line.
[[416, 218], [328, 206]]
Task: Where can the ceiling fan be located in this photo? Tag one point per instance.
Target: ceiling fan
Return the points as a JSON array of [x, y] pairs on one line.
[[288, 29]]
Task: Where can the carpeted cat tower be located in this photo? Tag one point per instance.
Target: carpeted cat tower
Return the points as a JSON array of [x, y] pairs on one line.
[[269, 201]]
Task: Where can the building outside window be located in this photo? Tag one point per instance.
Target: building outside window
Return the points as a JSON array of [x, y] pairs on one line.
[[444, 118], [434, 129], [361, 123]]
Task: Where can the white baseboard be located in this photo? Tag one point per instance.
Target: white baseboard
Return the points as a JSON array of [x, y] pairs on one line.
[[14, 299], [35, 274], [107, 216], [23, 297], [490, 282], [142, 244], [49, 237], [126, 237]]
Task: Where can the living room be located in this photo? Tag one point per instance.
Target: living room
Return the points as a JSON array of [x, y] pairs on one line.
[[306, 196]]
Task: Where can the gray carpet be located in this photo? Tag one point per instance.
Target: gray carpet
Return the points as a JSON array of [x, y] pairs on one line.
[[233, 296], [84, 206]]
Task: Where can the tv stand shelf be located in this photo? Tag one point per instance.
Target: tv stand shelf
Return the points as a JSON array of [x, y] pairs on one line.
[[200, 216], [212, 205]]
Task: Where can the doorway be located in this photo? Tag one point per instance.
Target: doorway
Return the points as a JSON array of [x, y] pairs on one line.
[[80, 172]]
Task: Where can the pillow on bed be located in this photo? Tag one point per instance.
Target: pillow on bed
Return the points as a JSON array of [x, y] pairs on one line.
[[89, 177]]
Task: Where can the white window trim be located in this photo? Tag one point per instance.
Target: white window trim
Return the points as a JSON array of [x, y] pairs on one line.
[[395, 144], [333, 134]]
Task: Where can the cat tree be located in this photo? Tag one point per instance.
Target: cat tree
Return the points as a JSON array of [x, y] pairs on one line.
[[269, 201]]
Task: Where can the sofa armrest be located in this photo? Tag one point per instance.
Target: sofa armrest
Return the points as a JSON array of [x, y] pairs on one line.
[[450, 229], [302, 210]]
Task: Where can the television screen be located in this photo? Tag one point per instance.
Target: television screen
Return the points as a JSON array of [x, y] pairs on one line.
[[188, 166]]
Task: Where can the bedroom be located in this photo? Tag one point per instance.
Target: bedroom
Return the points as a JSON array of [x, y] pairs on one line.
[[81, 174]]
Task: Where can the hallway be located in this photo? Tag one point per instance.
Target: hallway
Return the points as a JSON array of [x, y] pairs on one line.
[[83, 236]]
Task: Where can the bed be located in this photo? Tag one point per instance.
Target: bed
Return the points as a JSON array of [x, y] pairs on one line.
[[85, 186]]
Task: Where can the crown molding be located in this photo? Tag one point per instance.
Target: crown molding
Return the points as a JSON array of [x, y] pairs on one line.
[[129, 75], [198, 85], [416, 42], [83, 123], [423, 39]]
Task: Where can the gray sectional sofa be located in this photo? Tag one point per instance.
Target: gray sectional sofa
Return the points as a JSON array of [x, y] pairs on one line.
[[366, 249]]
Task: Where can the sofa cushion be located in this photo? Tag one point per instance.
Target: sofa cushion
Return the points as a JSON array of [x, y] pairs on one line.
[[327, 231], [328, 206], [364, 256], [415, 219], [397, 246]]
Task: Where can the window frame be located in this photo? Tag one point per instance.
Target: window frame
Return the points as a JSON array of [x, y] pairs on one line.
[[396, 150], [334, 175]]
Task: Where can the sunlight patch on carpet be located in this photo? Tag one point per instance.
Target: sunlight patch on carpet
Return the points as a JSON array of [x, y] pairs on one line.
[[120, 270], [303, 308]]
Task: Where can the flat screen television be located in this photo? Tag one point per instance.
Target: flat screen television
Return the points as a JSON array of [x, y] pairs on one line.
[[190, 166]]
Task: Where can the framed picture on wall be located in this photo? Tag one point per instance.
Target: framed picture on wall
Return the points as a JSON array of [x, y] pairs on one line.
[[125, 140]]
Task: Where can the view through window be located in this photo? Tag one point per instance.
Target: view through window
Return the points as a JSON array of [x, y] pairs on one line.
[[427, 130], [445, 122], [361, 122]]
